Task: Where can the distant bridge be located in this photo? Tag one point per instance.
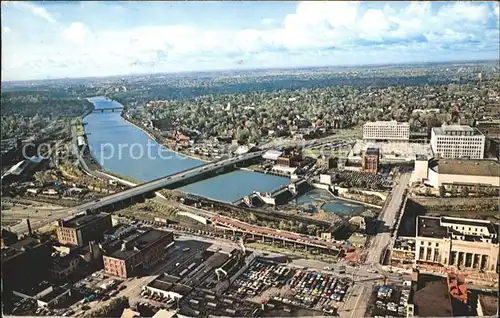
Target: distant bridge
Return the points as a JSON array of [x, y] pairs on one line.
[[102, 110]]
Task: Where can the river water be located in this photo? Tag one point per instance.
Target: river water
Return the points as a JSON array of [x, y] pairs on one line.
[[123, 149], [314, 198]]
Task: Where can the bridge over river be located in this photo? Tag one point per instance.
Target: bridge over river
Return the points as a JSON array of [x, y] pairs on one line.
[[151, 186]]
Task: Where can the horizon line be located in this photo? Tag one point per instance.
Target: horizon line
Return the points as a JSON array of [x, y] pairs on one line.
[[252, 69]]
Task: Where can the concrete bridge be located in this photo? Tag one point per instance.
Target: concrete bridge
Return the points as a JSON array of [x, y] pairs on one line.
[[172, 181], [102, 110]]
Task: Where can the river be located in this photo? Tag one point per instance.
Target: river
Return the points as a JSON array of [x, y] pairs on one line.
[[121, 148]]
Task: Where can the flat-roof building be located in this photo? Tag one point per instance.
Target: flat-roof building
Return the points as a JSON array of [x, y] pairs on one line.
[[25, 263], [476, 175], [386, 130], [457, 242], [83, 228], [457, 141], [371, 160], [141, 249]]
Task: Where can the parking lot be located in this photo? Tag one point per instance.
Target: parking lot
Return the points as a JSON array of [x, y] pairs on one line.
[[290, 289], [391, 300]]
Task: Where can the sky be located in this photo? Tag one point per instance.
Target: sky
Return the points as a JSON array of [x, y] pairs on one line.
[[43, 40]]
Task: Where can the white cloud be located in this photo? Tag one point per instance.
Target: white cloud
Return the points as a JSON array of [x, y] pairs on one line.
[[6, 30], [34, 9], [76, 32], [330, 30], [373, 24]]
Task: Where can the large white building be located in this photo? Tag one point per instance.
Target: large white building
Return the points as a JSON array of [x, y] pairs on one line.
[[386, 130], [457, 141], [457, 242], [474, 174]]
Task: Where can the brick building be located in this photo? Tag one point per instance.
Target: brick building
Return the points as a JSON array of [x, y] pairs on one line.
[[83, 228], [371, 160], [290, 159], [139, 250]]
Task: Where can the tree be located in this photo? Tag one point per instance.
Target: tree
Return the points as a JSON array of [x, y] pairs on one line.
[[442, 191]]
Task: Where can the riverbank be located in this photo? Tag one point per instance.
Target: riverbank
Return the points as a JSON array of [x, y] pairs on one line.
[[153, 137]]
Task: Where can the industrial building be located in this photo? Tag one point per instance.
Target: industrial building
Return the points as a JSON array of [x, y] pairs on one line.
[[476, 175], [386, 130], [457, 141], [462, 243], [141, 249], [25, 263], [83, 228], [371, 160]]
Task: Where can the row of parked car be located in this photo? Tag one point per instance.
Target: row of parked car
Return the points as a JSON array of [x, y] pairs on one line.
[[386, 302], [323, 286], [259, 276]]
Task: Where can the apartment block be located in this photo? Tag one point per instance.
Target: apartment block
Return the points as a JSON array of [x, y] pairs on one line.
[[386, 130], [457, 141]]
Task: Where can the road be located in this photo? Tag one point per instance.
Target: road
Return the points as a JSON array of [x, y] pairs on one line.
[[356, 302], [387, 216]]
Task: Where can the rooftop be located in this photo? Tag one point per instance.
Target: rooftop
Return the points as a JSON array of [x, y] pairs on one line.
[[459, 129], [84, 219], [56, 292], [272, 154], [431, 227], [485, 167], [432, 298], [372, 151], [389, 122], [471, 222], [165, 283], [139, 241]]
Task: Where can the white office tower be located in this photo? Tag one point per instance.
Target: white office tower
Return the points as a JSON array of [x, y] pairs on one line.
[[457, 141], [386, 130]]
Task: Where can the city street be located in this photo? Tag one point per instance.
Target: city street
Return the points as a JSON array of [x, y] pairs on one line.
[[356, 302], [387, 217]]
